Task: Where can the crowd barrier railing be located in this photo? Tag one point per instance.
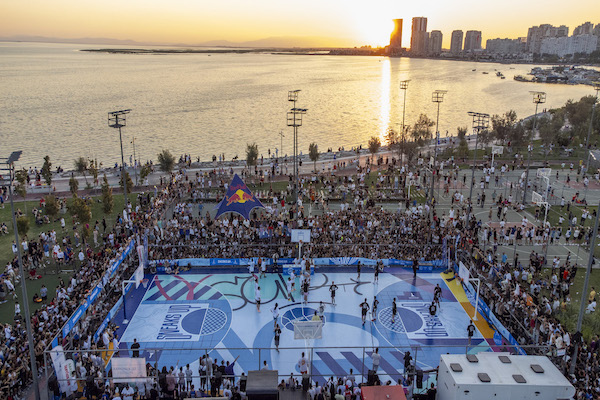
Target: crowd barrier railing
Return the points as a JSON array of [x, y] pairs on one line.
[[390, 367]]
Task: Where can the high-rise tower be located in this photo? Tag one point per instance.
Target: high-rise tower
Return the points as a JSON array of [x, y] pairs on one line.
[[418, 38], [396, 37], [456, 42]]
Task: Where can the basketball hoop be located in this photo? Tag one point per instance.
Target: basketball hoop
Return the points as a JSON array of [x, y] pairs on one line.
[[543, 172], [144, 282], [308, 331]]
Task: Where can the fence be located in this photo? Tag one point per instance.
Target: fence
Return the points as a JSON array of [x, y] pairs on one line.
[[392, 365]]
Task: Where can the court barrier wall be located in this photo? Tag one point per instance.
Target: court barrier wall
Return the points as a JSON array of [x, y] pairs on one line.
[[485, 311], [93, 296], [114, 310], [392, 365], [424, 266]]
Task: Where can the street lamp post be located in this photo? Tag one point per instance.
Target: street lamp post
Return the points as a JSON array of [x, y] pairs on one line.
[[134, 161], [437, 97], [10, 163], [116, 119], [481, 121], [294, 119], [403, 86], [538, 98], [281, 136]]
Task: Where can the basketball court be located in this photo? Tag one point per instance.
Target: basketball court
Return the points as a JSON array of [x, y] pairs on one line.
[[178, 318]]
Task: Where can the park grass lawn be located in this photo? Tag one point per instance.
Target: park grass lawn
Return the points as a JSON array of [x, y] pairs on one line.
[[591, 322], [49, 276]]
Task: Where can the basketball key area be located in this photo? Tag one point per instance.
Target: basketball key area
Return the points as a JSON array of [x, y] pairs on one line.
[[179, 318]]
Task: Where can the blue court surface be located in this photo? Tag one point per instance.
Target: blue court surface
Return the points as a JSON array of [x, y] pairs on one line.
[[178, 318]]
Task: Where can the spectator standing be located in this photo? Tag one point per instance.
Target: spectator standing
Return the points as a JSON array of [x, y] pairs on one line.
[[470, 331], [376, 359], [135, 349]]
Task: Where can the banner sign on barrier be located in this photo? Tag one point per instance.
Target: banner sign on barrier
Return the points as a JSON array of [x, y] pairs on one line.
[[424, 266], [124, 368], [484, 310], [70, 324], [64, 369]]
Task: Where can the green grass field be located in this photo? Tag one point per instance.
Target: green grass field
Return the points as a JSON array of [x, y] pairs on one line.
[[49, 276]]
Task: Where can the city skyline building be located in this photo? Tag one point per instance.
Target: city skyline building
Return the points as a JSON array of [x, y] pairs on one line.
[[434, 45], [472, 41], [396, 38], [418, 38], [587, 28], [536, 34], [562, 46], [456, 42], [504, 46]]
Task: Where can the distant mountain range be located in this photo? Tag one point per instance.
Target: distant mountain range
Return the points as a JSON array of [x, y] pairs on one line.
[[276, 41]]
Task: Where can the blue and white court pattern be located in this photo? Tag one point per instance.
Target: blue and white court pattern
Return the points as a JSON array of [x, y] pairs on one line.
[[181, 317]]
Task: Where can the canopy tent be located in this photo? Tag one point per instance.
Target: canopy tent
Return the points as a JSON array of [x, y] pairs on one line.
[[238, 199]]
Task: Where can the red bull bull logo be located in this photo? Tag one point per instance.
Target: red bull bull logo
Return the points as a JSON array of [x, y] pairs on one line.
[[239, 197]]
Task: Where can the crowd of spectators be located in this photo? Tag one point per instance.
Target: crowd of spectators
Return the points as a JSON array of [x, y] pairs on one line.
[[15, 372], [527, 300], [518, 293]]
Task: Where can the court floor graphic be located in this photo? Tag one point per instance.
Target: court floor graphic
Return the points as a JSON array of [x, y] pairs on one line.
[[178, 318]]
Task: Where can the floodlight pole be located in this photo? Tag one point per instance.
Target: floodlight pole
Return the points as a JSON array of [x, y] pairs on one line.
[[403, 86], [437, 97], [116, 119], [480, 121], [27, 317], [538, 98], [585, 290], [294, 119]]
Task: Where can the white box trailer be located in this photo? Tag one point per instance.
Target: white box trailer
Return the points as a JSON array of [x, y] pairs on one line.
[[489, 375]]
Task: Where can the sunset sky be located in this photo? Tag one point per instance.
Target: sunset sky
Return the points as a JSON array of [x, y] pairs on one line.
[[338, 22]]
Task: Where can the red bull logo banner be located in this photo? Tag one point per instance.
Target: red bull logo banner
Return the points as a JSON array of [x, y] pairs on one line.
[[238, 199]]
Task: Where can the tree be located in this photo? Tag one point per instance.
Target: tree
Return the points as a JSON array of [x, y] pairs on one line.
[[80, 210], [22, 226], [93, 168], [51, 207], [394, 142], [251, 154], [85, 232], [47, 172], [21, 187], [503, 126], [144, 172], [166, 160], [421, 132], [485, 136], [81, 165], [374, 145], [107, 197], [520, 137], [463, 146], [313, 153], [73, 185], [128, 180]]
